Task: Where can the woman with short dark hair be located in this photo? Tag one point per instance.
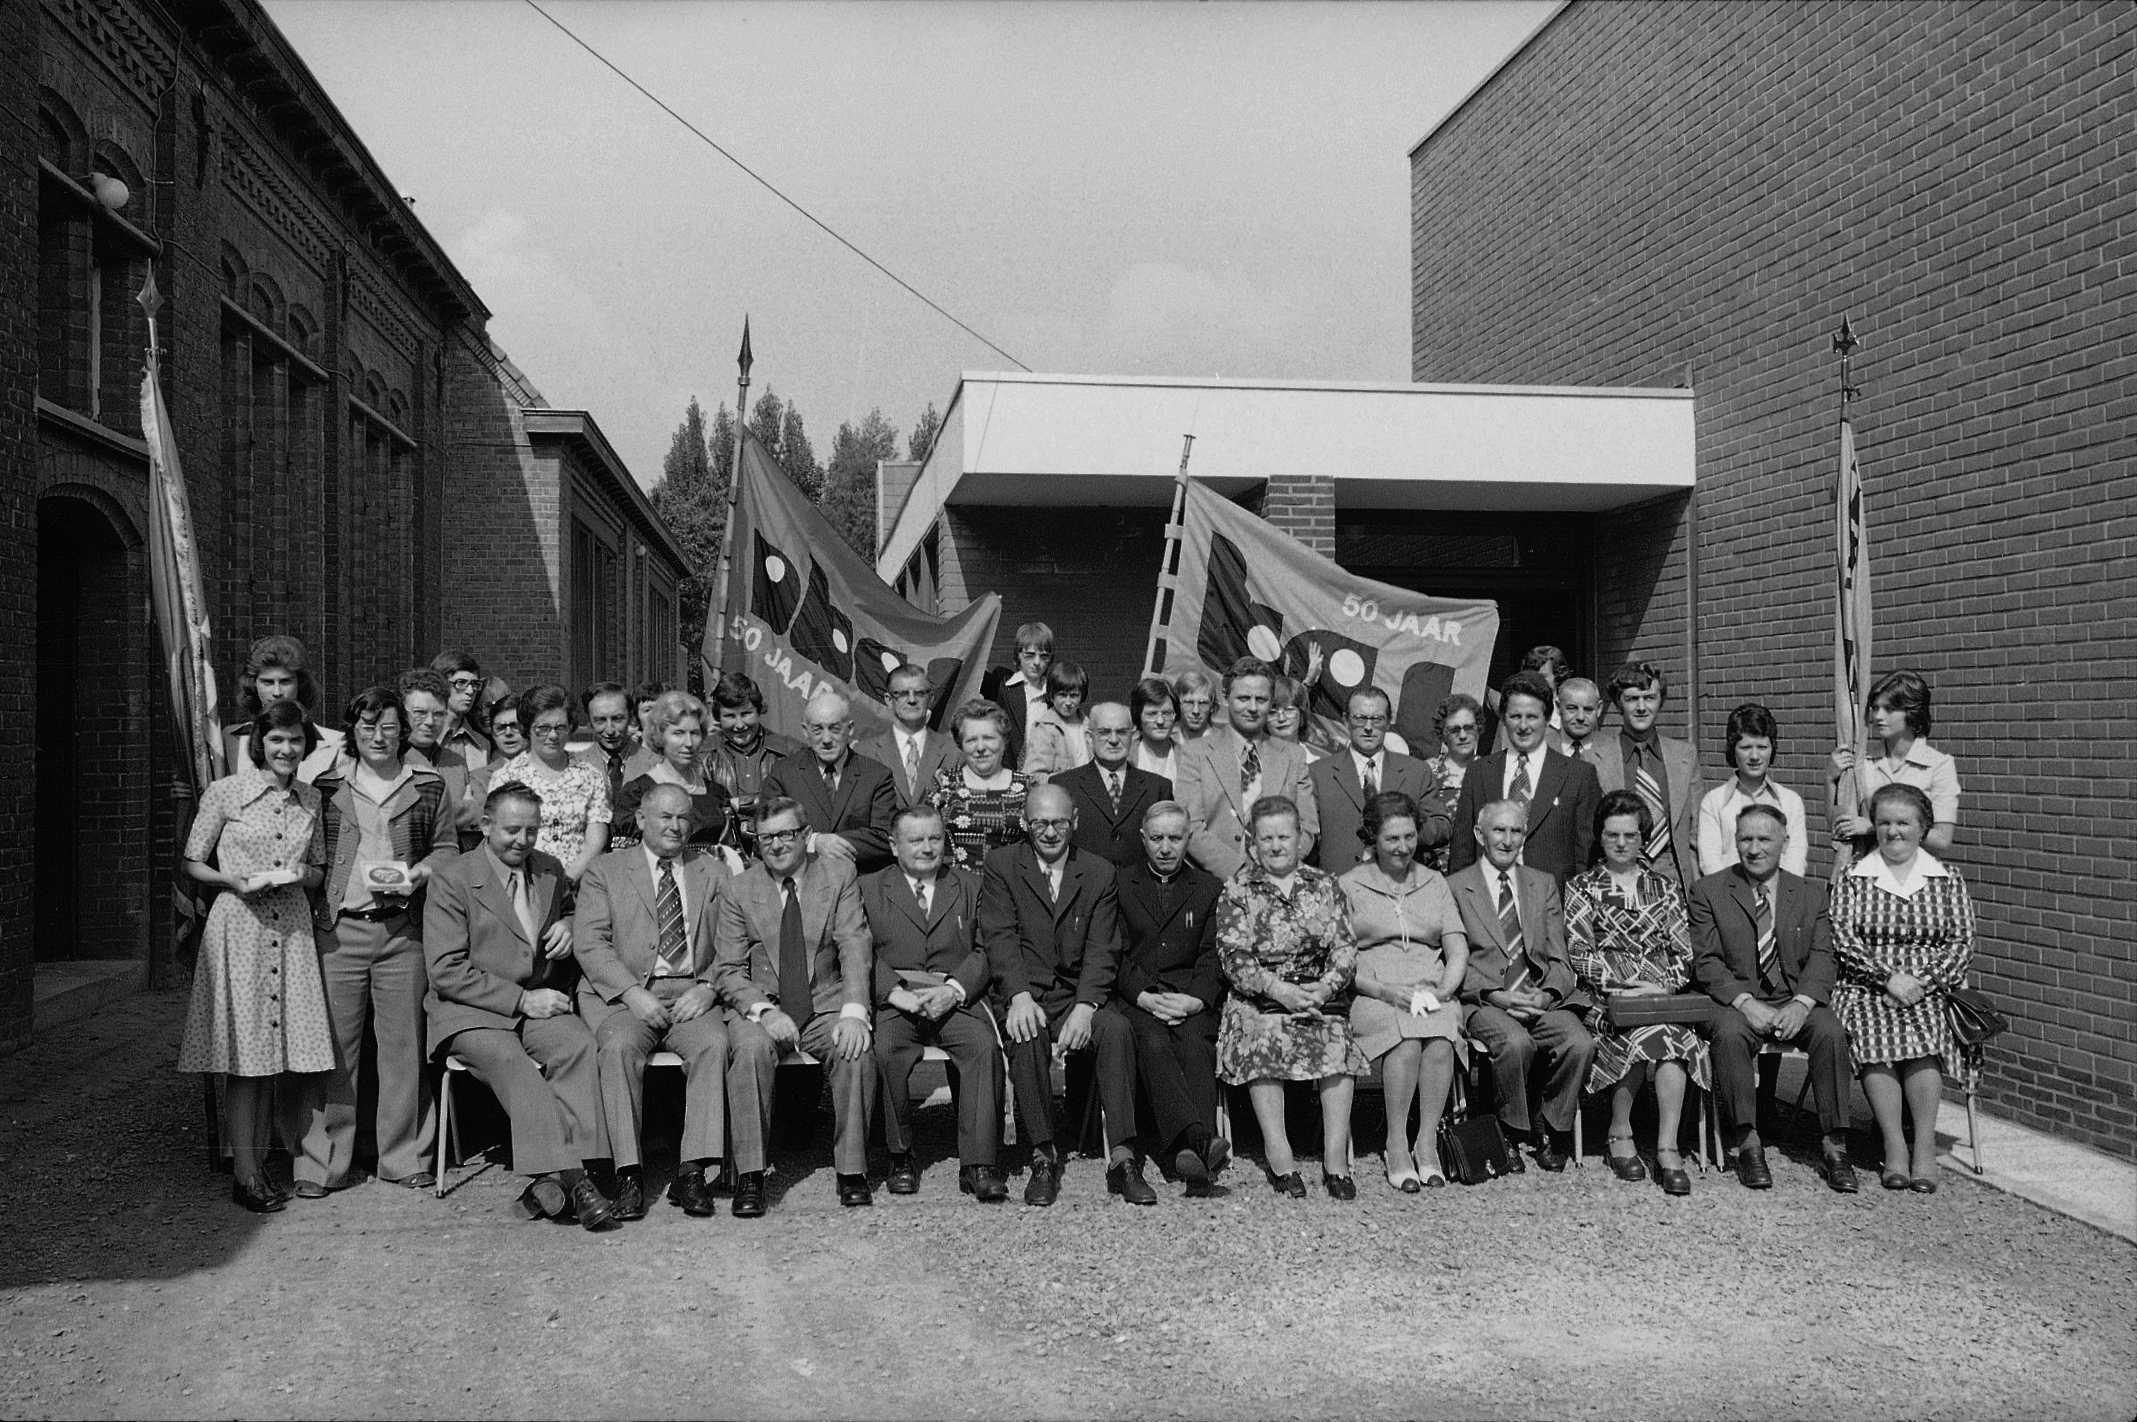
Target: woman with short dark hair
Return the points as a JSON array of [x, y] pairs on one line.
[[574, 795], [1749, 744], [258, 1010], [743, 753], [1897, 716], [1155, 708], [275, 671], [981, 800]]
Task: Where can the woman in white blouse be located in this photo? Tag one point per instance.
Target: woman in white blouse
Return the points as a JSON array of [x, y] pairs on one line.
[[1749, 745]]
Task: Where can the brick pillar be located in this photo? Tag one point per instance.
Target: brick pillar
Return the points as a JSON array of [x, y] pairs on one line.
[[1304, 506]]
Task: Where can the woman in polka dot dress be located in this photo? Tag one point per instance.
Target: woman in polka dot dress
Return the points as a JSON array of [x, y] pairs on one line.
[[259, 1008]]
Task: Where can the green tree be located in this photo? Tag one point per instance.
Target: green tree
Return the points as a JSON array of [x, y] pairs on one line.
[[778, 427], [691, 499], [850, 486], [922, 438], [723, 443]]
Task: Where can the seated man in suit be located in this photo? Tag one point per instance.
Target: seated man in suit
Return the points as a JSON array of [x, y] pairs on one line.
[[1110, 796], [1344, 780], [846, 800], [494, 943], [643, 936], [912, 751], [1580, 714], [1661, 770], [1167, 996], [1522, 1000], [1051, 927], [930, 990], [1763, 948], [1235, 763], [791, 960], [1022, 691], [1560, 795]]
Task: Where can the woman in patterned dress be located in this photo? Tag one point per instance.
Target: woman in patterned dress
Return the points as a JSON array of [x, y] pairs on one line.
[[575, 807], [1627, 932], [1412, 955], [982, 801], [258, 1008], [677, 725], [1903, 936], [1456, 725], [1284, 941]]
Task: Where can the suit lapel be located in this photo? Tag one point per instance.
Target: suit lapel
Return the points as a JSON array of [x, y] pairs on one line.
[[1548, 779], [491, 891], [1486, 912], [1343, 768], [641, 879]]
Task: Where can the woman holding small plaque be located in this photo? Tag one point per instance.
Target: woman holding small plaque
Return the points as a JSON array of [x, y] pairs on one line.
[[258, 1010], [386, 825], [1627, 935]]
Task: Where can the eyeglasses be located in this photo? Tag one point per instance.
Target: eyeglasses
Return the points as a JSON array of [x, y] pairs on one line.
[[1469, 729], [1357, 720], [773, 839], [466, 683], [1053, 825], [548, 731], [911, 693]]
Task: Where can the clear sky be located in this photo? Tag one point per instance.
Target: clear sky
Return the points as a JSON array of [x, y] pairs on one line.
[[1147, 189]]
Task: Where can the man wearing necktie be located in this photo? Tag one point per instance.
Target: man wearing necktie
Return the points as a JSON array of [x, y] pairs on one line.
[[930, 990], [1762, 948], [1522, 1001], [1662, 770], [913, 750], [1580, 716], [1561, 795], [846, 799], [498, 953], [1223, 773], [1108, 793], [643, 936], [1050, 923], [792, 960], [1344, 781]]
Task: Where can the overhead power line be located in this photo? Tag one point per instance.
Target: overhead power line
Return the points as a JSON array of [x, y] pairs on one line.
[[833, 233]]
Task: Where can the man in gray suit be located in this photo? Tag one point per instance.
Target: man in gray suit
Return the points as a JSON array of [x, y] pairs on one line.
[[793, 962], [1661, 770], [1345, 780], [495, 944], [643, 936], [913, 752], [1236, 763]]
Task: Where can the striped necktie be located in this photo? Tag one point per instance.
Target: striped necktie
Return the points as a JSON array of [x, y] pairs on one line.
[[1370, 781], [912, 765], [1517, 962], [1522, 788], [1648, 786], [1249, 769], [668, 912], [1769, 955]]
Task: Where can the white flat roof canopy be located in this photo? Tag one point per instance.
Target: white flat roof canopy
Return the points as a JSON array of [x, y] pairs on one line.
[[1095, 441]]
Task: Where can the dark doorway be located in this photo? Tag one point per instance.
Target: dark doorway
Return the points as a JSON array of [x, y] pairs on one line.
[[81, 631]]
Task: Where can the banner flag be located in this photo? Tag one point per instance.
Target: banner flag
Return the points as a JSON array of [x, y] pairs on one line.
[[1851, 611], [1246, 588], [181, 613], [801, 610]]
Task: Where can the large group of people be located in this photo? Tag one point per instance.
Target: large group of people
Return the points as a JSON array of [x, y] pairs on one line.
[[1192, 888]]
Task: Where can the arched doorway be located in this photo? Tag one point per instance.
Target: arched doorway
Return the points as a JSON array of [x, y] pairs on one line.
[[91, 796]]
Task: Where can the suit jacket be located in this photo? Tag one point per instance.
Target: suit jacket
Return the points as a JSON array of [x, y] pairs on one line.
[[478, 955], [861, 811], [615, 933], [745, 937], [943, 940], [1115, 836], [1543, 933], [1680, 766], [1063, 952], [1216, 812], [1169, 936], [1561, 814], [1340, 798], [936, 753], [1725, 943]]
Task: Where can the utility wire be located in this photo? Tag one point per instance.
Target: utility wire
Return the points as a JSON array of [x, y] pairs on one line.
[[769, 187]]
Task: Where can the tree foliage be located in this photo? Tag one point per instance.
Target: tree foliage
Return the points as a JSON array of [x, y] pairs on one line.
[[850, 486], [691, 499], [925, 429]]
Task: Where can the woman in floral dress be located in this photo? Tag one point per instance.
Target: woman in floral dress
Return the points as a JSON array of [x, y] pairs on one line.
[[259, 1008], [982, 801], [1284, 941], [1627, 932], [1903, 936], [575, 805], [1456, 725]]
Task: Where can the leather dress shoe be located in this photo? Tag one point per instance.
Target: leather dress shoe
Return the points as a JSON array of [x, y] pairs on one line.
[[1627, 1167], [853, 1191], [1892, 1179], [904, 1174], [1923, 1185], [1200, 1165], [593, 1208], [421, 1180], [749, 1195], [258, 1197], [311, 1190], [1126, 1180], [689, 1191], [1548, 1154], [1840, 1175], [630, 1201], [1292, 1185], [543, 1198], [1673, 1178], [1339, 1187], [1751, 1168], [1043, 1186], [983, 1183]]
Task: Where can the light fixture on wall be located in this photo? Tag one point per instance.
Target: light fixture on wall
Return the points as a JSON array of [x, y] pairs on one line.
[[109, 191]]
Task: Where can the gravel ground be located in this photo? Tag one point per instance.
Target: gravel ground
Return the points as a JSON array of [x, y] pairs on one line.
[[133, 1287]]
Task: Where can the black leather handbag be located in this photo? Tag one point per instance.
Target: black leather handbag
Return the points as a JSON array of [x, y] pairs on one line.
[[1974, 1019], [1472, 1151]]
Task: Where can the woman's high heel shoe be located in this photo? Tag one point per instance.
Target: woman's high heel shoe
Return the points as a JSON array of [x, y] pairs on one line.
[[257, 1196], [1293, 1184]]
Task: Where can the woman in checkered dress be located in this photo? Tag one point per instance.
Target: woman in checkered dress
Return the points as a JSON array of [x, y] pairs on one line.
[[1903, 935]]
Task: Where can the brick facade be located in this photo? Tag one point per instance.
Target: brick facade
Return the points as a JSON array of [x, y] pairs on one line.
[[1649, 191]]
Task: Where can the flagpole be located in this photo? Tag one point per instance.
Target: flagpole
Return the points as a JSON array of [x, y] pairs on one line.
[[1851, 649], [1169, 565], [743, 361]]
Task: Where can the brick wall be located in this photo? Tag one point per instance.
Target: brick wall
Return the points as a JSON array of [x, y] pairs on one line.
[[1304, 506], [18, 514], [1654, 190]]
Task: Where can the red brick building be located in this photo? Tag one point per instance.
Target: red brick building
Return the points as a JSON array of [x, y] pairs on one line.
[[1647, 193], [368, 473]]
